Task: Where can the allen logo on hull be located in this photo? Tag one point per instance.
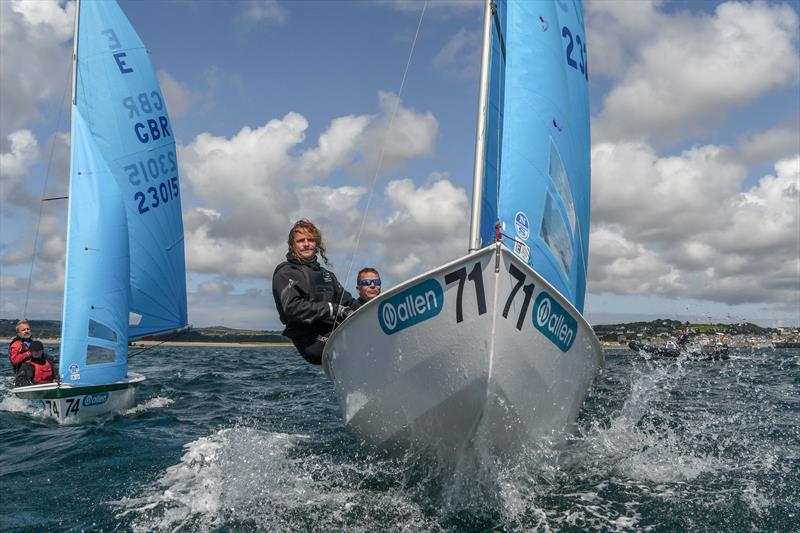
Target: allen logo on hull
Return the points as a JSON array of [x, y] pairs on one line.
[[412, 306], [554, 322], [95, 399]]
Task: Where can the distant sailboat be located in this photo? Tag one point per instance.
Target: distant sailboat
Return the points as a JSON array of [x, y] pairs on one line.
[[125, 275], [494, 342]]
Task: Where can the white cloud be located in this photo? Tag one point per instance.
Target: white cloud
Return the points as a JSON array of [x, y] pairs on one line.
[[178, 97], [773, 144], [337, 146], [216, 287], [207, 253], [215, 304], [257, 11], [615, 31], [256, 183], [461, 55], [662, 199], [620, 265], [398, 135], [681, 77], [246, 178], [35, 39], [16, 163], [448, 6], [764, 219], [679, 228], [428, 226]]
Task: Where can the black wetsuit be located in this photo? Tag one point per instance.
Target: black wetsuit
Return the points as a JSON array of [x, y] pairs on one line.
[[308, 297]]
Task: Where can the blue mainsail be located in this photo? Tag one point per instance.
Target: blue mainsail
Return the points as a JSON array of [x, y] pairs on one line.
[[539, 96], [125, 275]]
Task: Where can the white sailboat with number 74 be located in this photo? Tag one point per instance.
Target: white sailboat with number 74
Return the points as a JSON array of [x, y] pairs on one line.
[[494, 343], [125, 275]]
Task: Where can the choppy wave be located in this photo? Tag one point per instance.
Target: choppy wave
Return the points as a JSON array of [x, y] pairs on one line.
[[255, 479], [259, 446]]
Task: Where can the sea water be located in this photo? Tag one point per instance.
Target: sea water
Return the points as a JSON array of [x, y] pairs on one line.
[[251, 439]]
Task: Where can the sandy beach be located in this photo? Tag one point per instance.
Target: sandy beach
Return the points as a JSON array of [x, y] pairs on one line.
[[145, 344]]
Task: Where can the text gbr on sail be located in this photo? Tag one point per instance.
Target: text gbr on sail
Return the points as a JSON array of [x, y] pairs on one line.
[[146, 104]]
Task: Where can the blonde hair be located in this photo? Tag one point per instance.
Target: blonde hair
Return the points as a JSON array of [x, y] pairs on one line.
[[21, 322], [307, 225]]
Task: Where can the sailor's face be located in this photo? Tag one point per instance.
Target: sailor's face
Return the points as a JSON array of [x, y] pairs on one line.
[[304, 246], [24, 331], [369, 290]]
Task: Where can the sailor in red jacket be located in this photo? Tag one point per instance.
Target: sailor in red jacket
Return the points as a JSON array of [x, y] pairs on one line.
[[20, 344], [36, 369]]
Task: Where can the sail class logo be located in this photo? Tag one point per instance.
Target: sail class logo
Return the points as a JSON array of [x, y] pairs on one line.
[[522, 226], [412, 306], [554, 322]]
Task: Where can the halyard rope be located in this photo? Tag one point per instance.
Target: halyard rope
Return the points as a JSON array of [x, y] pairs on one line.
[[382, 152]]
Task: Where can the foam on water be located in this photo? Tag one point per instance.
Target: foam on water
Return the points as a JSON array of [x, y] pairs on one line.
[[644, 442], [11, 403], [658, 443], [153, 403], [255, 479]]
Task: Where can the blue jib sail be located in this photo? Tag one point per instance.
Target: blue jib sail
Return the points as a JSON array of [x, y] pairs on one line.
[[125, 273], [543, 193]]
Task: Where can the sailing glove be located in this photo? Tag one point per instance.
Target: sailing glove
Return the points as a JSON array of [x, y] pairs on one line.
[[342, 312]]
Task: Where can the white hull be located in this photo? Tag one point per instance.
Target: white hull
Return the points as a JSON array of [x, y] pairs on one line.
[[69, 404], [409, 373]]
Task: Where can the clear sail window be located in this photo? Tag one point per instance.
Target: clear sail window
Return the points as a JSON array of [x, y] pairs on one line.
[[134, 318], [554, 232], [101, 331], [96, 355], [559, 177]]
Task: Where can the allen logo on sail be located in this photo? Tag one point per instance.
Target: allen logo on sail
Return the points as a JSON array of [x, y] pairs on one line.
[[554, 321], [412, 306]]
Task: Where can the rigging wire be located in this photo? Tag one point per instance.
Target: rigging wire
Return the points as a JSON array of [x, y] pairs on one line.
[[383, 150], [138, 351], [43, 200]]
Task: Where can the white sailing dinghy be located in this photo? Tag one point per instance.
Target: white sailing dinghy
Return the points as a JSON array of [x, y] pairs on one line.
[[125, 275], [495, 341]]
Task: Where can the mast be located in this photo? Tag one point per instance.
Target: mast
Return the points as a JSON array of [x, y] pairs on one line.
[[72, 140], [480, 138], [75, 52]]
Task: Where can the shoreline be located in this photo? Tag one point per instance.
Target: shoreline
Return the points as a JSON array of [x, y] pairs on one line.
[[146, 344]]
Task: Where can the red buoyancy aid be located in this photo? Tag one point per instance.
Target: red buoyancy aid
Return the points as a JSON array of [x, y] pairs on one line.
[[18, 351], [42, 372]]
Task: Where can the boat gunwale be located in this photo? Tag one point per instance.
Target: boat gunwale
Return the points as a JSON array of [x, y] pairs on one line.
[[50, 391], [491, 248]]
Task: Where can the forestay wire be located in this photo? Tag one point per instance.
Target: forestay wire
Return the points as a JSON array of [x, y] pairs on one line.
[[42, 200], [383, 149]]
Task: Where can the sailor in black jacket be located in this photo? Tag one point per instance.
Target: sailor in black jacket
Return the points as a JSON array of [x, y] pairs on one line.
[[309, 298]]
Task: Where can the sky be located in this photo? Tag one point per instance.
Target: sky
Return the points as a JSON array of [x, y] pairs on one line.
[[284, 109]]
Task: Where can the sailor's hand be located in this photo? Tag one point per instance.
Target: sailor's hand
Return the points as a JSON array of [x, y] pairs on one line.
[[342, 312]]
